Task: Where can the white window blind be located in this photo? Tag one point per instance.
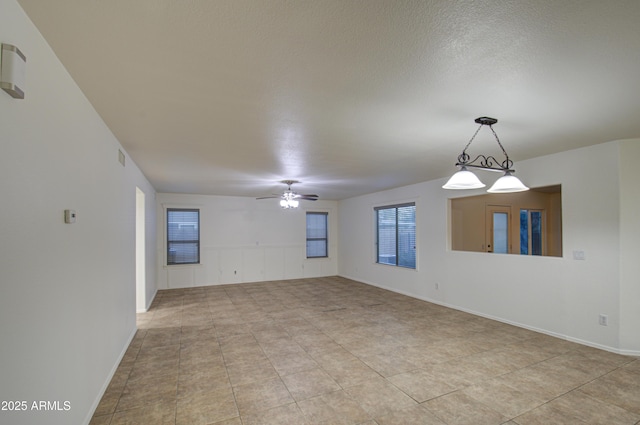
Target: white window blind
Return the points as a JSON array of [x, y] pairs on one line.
[[183, 236], [396, 235], [317, 234]]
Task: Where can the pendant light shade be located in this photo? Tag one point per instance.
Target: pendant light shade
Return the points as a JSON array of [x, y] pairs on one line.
[[464, 179], [507, 184]]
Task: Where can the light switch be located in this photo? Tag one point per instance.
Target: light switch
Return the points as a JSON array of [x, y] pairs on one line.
[[578, 255]]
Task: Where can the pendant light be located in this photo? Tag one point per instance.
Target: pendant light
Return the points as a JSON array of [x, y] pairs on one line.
[[465, 179]]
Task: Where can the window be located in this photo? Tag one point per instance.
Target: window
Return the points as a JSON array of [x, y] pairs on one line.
[[501, 233], [317, 234], [531, 232], [183, 236], [396, 235]]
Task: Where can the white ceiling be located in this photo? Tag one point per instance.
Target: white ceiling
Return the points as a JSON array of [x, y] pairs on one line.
[[228, 97]]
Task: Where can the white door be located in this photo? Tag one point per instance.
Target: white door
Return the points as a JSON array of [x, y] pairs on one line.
[[498, 229]]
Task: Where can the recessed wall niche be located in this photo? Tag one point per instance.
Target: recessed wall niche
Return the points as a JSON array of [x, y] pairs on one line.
[[523, 223]]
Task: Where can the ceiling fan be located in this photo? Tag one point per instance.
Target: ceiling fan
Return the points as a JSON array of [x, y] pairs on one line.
[[290, 199]]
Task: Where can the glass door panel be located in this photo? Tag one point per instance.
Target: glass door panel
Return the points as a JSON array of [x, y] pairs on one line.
[[500, 233], [498, 225]]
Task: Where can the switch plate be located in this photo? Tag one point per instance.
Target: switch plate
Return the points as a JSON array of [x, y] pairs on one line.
[[603, 319], [579, 255]]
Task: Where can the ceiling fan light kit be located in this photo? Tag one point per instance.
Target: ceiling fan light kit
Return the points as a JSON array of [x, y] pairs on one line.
[[289, 203], [290, 199], [465, 179]]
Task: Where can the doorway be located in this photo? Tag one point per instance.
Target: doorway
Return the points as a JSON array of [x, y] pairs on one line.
[[498, 229]]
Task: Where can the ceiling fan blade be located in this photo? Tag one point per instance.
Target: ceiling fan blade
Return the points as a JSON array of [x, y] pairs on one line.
[[289, 195]]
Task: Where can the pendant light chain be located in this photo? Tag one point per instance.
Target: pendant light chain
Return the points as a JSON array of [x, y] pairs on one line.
[[464, 156], [507, 163]]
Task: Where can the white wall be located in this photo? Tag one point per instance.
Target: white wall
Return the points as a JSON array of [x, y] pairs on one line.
[[67, 291], [559, 296], [245, 240], [629, 234], [146, 269]]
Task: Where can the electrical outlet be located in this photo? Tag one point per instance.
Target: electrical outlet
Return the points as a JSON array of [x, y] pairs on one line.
[[437, 286], [603, 320]]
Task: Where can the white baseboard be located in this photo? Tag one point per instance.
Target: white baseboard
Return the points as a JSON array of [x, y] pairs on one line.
[[149, 302]]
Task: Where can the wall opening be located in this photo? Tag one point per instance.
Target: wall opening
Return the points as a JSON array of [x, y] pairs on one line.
[[531, 222]]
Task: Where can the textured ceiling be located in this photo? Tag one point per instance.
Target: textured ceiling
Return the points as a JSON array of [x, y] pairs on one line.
[[350, 97]]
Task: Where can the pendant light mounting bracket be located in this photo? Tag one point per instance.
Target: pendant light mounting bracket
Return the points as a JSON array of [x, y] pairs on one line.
[[486, 121]]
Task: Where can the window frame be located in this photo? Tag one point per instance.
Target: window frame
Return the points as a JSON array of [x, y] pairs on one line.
[[326, 232], [181, 241], [397, 239]]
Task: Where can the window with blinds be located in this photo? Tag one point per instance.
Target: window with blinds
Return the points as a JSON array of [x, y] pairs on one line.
[[183, 236], [317, 234], [396, 235]]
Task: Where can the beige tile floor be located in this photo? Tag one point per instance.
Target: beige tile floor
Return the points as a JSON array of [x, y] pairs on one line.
[[334, 351]]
